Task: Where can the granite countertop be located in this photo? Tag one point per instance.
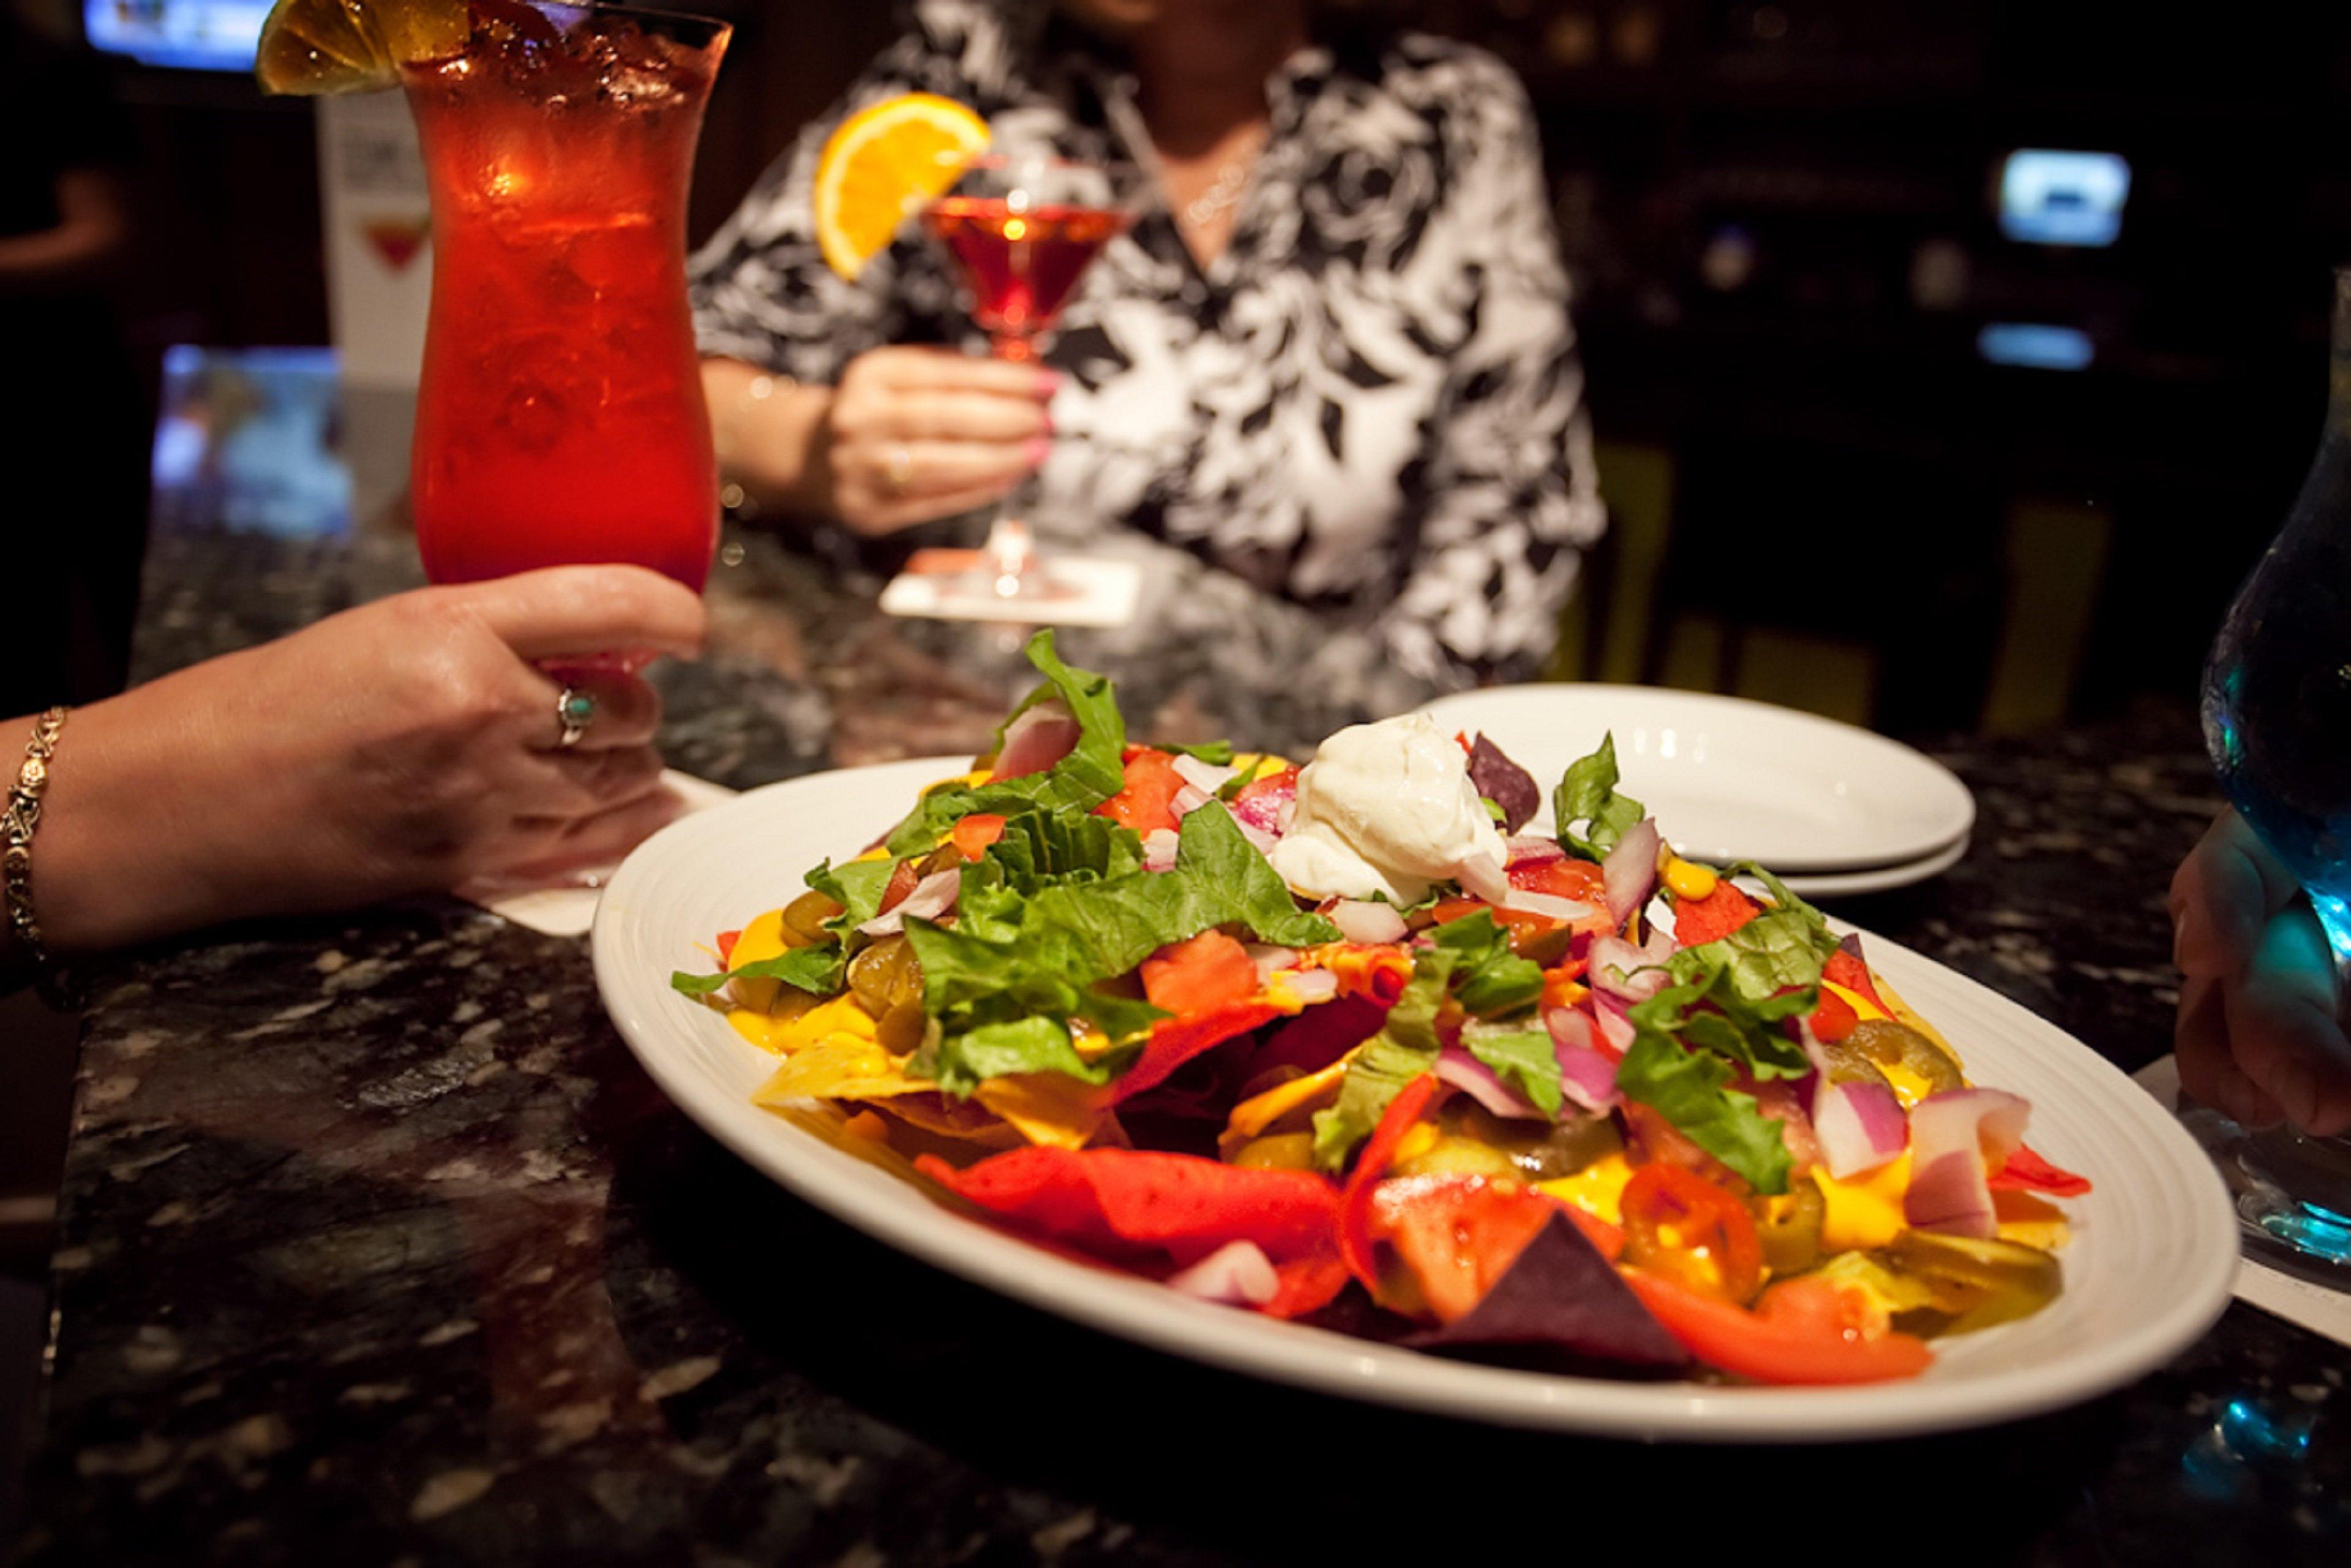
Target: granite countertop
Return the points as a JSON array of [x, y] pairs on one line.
[[377, 1246]]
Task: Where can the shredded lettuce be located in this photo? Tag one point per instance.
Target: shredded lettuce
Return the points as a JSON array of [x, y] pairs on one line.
[[1018, 1045], [1688, 1088], [1091, 773], [1012, 955], [1587, 794], [1215, 753], [1405, 1047], [1523, 1058], [857, 888], [1493, 979], [816, 970]]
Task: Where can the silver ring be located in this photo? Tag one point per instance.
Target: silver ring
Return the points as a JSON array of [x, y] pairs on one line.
[[897, 470], [575, 710]]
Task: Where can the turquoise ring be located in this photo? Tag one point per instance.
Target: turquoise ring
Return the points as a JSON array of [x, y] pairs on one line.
[[575, 710]]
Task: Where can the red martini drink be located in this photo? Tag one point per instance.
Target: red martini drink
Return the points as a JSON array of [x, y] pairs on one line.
[[1019, 265], [560, 418], [1022, 231]]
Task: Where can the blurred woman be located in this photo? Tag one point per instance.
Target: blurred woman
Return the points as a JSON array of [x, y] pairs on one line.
[[1332, 355]]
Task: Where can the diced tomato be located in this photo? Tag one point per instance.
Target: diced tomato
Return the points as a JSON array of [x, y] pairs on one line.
[[1356, 1198], [727, 940], [1573, 879], [1850, 973], [1176, 1040], [971, 835], [1564, 984], [1697, 921], [903, 878], [1681, 1225], [1833, 1020], [1207, 971], [1803, 1330], [1147, 803], [1524, 925], [1458, 1234], [2027, 1171]]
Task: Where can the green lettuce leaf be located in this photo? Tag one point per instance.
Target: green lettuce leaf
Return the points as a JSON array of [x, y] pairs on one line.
[[1091, 773], [1021, 1045], [1524, 1058], [857, 888], [1216, 753], [1043, 955], [1493, 981], [1687, 1088], [1587, 794], [1405, 1047], [816, 970]]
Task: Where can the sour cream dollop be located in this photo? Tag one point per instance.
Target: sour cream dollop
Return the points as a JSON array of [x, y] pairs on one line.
[[1383, 810]]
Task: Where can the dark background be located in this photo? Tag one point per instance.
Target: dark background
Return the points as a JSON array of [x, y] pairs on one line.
[[1856, 512]]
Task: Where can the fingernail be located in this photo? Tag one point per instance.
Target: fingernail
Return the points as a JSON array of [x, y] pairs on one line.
[[1047, 383], [1037, 451]]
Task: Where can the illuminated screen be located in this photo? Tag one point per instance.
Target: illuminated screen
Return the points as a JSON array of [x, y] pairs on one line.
[[2063, 198], [2035, 345], [192, 35]]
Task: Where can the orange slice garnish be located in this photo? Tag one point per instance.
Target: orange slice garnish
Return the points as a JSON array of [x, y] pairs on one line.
[[312, 46], [883, 164]]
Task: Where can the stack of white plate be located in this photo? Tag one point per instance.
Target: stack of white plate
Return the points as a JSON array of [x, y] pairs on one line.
[[1834, 809]]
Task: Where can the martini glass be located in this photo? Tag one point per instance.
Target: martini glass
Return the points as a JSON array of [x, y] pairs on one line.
[[2277, 720], [1022, 230]]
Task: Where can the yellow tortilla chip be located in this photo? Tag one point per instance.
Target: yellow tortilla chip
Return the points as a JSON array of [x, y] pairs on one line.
[[1049, 1108], [1253, 1115], [840, 1016], [842, 1066]]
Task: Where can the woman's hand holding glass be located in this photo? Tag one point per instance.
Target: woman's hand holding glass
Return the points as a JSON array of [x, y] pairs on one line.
[[911, 435], [403, 746], [2259, 1038]]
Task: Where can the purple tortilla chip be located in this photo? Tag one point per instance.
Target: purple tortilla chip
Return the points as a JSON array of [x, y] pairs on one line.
[[1561, 1295], [1505, 783]]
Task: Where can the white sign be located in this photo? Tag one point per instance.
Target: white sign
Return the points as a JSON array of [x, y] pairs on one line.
[[379, 233]]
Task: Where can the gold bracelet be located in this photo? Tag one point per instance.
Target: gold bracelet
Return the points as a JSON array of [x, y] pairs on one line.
[[18, 824]]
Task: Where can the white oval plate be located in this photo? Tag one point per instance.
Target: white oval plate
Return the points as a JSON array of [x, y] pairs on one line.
[[1733, 779], [2154, 1250], [1877, 878]]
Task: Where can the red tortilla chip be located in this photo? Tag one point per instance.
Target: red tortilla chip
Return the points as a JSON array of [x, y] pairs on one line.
[[1114, 1201], [1176, 1040]]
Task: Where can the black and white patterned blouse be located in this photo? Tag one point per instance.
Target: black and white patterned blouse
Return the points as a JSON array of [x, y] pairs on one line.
[[1370, 404]]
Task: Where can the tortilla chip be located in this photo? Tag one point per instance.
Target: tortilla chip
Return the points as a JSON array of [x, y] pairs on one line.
[[1051, 1109]]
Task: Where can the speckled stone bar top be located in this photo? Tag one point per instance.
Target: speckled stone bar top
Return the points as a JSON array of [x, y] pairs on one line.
[[378, 1248]]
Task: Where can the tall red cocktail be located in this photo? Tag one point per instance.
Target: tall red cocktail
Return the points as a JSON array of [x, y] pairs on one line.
[[560, 418]]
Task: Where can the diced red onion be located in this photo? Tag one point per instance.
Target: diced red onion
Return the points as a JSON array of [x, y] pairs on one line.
[[1159, 850], [1481, 877], [1587, 1075], [1311, 985], [1260, 805], [1956, 1137], [1631, 869], [1482, 1084], [1550, 905], [1285, 814], [1237, 1274], [1532, 850], [1859, 1125], [1037, 740], [1205, 776], [1615, 1028], [1633, 974], [1188, 799], [1360, 920], [1259, 838], [927, 900]]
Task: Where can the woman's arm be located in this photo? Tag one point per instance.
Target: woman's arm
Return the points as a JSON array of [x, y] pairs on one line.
[[404, 745], [817, 406], [1513, 495]]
